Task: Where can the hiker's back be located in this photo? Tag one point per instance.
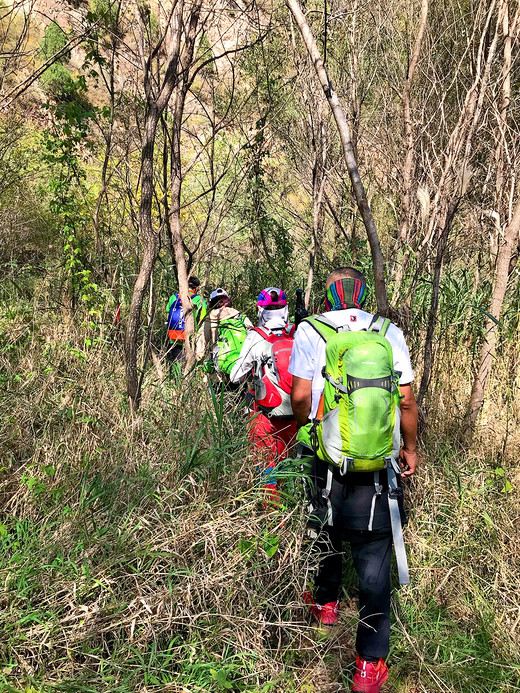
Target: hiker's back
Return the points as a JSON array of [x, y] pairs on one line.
[[265, 356], [176, 323], [229, 329], [360, 426], [346, 367], [271, 378], [176, 313]]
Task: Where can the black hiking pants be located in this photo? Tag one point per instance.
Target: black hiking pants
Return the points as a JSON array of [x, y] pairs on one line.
[[371, 554], [340, 509]]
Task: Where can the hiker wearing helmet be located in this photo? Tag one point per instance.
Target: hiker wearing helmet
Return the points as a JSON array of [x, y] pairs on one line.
[[352, 398], [265, 355], [224, 331], [176, 325]]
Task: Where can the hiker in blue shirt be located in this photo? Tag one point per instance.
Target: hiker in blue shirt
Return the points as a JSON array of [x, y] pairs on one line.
[[176, 324]]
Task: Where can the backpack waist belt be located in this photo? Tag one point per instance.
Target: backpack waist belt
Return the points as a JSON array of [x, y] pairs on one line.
[[267, 412], [354, 383]]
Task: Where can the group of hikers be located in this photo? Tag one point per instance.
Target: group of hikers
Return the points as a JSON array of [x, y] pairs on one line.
[[337, 385]]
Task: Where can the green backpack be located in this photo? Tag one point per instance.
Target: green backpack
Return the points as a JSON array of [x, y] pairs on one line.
[[360, 428], [226, 350]]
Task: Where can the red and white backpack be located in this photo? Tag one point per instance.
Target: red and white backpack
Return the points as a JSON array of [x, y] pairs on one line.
[[271, 378]]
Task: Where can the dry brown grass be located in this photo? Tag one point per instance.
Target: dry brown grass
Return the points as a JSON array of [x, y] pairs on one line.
[[137, 555]]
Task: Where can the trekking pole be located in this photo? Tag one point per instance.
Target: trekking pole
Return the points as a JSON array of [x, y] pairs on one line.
[[300, 312]]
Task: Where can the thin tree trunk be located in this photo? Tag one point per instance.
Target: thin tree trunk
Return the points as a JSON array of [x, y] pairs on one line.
[[434, 303], [150, 237], [318, 189], [176, 232], [453, 183], [355, 104], [150, 248], [317, 207], [350, 159], [504, 107], [459, 148], [505, 251], [176, 163], [104, 185], [487, 354], [110, 84], [408, 166], [152, 304]]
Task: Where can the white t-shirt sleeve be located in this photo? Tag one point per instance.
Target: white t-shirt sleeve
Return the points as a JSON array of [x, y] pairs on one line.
[[244, 363], [303, 357], [401, 355]]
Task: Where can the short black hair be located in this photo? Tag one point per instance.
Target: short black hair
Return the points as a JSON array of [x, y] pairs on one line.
[[346, 273], [194, 281]]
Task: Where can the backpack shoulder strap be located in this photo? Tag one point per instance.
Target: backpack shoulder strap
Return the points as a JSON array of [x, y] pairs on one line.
[[239, 316], [379, 325], [262, 332], [324, 327], [270, 335]]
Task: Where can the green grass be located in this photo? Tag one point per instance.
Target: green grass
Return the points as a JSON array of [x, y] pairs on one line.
[[136, 554]]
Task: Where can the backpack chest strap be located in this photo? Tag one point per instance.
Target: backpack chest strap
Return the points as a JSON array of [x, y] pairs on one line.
[[354, 384]]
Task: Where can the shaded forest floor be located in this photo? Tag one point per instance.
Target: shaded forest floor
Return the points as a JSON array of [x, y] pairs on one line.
[[137, 556]]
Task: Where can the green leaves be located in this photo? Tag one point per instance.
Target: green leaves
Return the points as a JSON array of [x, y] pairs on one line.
[[62, 151], [221, 678], [54, 40], [267, 543], [499, 481]]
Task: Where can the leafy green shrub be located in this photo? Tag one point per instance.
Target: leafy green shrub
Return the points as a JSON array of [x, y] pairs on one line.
[[107, 11], [53, 41], [57, 81]]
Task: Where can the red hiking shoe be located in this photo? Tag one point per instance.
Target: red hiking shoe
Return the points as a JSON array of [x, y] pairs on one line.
[[369, 676], [327, 615], [271, 496]]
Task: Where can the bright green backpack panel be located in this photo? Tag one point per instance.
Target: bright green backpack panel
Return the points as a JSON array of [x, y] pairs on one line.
[[361, 413], [232, 333]]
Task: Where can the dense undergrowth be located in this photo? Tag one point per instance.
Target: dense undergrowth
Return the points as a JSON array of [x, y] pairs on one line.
[[137, 556]]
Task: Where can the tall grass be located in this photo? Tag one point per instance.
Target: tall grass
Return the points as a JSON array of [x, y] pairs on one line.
[[137, 556]]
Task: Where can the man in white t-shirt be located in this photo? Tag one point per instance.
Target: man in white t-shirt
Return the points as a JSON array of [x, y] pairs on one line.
[[342, 510]]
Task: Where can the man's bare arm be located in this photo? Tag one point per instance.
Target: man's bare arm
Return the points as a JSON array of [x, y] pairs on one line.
[[301, 394], [408, 454]]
